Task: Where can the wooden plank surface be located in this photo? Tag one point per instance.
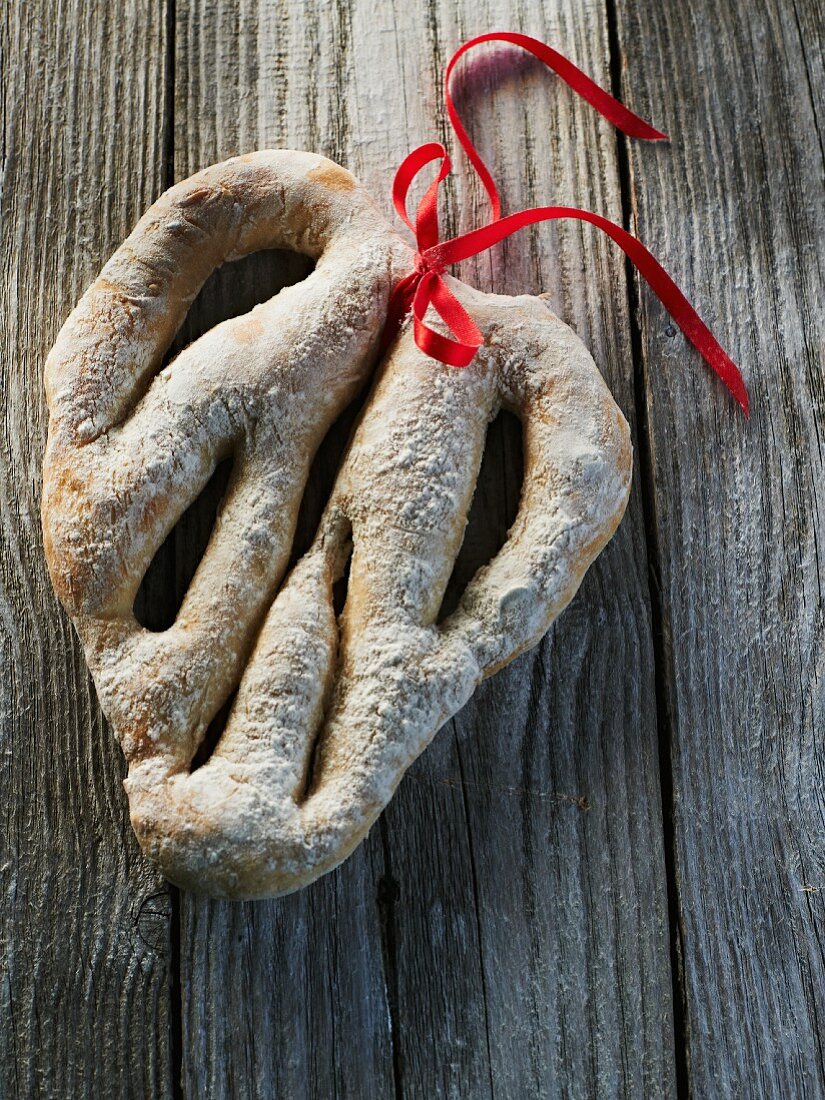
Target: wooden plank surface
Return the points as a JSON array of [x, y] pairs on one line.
[[736, 204], [503, 930], [84, 922]]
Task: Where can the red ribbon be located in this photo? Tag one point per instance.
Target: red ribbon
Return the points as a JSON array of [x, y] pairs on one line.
[[425, 287]]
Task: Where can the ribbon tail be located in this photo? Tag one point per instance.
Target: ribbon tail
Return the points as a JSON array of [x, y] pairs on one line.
[[663, 286]]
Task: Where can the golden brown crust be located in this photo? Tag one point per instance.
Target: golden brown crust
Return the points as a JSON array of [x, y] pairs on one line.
[[329, 711]]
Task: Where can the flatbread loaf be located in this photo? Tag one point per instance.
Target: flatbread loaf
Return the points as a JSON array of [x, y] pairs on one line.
[[330, 709]]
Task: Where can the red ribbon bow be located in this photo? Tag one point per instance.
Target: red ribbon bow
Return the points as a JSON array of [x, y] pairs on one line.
[[425, 287]]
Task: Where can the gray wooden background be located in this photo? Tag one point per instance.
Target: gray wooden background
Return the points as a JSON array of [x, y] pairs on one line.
[[606, 877]]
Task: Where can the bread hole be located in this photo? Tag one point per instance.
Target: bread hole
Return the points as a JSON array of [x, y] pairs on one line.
[[233, 289], [170, 572], [237, 287], [340, 586], [322, 474], [494, 507], [212, 735], [340, 582]]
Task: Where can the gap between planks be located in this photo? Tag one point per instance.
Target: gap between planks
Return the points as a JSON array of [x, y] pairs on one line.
[[664, 724]]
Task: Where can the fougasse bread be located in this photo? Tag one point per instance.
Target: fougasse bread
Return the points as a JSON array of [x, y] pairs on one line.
[[330, 709]]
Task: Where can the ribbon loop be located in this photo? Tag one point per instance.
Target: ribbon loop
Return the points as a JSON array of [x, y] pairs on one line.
[[614, 111], [426, 219], [425, 287]]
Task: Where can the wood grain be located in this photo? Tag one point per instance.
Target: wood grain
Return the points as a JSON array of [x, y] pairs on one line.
[[84, 923], [504, 929], [735, 205]]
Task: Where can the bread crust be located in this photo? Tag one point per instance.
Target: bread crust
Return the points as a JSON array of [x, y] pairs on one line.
[[330, 710]]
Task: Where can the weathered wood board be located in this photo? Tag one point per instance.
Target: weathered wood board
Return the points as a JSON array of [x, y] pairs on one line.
[[85, 1007], [518, 922], [736, 204]]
